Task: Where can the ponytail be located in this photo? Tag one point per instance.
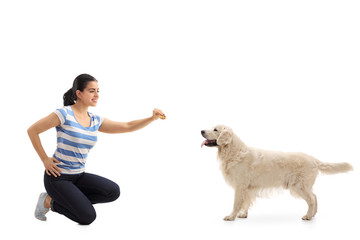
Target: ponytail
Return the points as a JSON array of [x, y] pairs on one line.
[[69, 97], [79, 83]]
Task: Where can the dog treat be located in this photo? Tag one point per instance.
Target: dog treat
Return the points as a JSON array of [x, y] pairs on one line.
[[162, 116]]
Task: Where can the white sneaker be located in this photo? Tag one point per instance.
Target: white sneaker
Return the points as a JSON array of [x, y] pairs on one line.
[[40, 210]]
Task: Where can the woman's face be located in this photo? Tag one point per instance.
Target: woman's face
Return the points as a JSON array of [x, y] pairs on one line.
[[90, 95]]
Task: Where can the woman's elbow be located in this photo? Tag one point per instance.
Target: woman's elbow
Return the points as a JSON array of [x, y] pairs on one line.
[[31, 131]]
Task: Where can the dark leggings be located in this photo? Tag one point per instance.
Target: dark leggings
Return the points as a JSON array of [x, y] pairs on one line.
[[74, 195]]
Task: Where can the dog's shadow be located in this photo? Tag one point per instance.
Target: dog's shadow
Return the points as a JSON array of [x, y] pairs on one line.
[[271, 219]]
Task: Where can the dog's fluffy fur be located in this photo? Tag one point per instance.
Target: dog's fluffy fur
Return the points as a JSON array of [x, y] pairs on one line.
[[249, 171]]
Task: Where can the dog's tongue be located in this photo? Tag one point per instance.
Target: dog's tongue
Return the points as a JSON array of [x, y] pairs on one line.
[[203, 143]]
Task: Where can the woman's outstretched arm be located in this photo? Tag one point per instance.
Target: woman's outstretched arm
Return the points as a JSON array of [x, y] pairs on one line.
[[109, 126]]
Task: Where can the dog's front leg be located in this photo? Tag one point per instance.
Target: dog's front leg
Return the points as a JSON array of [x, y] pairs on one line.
[[238, 198]]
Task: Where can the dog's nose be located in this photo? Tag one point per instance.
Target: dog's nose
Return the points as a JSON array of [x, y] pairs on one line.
[[202, 131]]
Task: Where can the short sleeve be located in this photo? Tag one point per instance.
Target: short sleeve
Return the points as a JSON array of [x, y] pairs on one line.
[[61, 113], [97, 120], [101, 120]]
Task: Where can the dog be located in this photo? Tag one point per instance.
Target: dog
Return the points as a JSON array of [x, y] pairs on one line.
[[250, 171]]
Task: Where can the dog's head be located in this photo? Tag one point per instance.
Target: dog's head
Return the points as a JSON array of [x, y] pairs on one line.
[[218, 136]]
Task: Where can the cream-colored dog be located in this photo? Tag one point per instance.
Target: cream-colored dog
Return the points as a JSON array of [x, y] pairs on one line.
[[250, 170]]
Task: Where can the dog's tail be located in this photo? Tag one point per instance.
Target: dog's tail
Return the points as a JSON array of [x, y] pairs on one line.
[[333, 168]]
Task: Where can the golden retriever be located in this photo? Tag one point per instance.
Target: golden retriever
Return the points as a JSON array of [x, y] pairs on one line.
[[249, 171]]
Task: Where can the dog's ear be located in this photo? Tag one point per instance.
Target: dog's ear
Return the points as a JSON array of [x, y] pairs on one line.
[[225, 137]]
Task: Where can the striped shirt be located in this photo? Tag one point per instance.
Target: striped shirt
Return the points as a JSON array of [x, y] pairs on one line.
[[74, 141]]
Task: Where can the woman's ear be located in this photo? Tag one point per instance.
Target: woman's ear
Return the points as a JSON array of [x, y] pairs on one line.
[[224, 138], [78, 94]]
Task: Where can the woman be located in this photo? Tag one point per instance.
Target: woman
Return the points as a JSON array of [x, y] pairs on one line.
[[69, 189]]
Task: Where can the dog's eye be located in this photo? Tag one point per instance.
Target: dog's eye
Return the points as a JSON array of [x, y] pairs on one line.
[[215, 130]]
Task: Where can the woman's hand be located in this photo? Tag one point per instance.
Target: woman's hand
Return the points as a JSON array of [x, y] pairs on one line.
[[157, 113], [50, 166]]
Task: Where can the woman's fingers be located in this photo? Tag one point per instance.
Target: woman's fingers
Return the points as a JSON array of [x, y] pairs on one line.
[[51, 172], [52, 168], [55, 167], [55, 170]]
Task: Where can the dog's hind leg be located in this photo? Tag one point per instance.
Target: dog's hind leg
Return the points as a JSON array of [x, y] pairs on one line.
[[315, 211], [301, 186], [310, 199]]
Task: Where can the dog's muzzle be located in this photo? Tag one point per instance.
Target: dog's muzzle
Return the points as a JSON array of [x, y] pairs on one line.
[[207, 142]]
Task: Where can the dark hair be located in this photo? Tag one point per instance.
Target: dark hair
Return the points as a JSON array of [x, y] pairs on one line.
[[79, 83]]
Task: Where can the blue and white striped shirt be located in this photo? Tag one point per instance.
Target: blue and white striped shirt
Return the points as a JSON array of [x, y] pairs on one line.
[[74, 141]]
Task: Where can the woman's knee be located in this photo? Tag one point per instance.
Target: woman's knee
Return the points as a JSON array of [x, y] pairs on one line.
[[87, 217], [114, 193]]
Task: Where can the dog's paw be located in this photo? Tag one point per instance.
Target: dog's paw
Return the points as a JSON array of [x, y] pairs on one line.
[[229, 218], [306, 217], [242, 215]]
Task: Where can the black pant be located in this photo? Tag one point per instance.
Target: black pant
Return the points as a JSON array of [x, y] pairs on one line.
[[74, 195]]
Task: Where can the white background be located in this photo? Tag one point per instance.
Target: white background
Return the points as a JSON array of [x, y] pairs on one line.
[[282, 74]]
